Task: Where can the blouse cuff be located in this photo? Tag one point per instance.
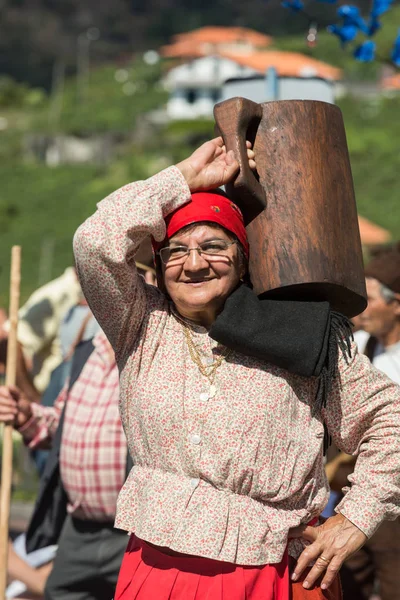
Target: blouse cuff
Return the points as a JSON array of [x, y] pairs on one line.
[[362, 509]]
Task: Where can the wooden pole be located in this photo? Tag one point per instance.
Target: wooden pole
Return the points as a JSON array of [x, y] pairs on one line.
[[11, 374]]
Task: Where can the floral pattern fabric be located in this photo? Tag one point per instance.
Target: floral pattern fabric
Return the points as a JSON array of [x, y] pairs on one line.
[[223, 473]]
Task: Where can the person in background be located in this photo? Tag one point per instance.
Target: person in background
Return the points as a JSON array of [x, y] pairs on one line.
[[22, 575], [78, 321], [93, 465], [381, 319], [50, 319], [78, 324], [27, 574], [39, 325], [378, 336], [23, 376]]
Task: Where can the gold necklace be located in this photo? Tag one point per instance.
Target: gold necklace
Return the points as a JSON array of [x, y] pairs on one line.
[[209, 371]]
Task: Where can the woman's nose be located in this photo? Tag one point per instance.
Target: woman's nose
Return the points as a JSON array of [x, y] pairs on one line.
[[195, 261]]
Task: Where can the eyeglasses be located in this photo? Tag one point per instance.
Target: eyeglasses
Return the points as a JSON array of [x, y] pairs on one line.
[[211, 249]]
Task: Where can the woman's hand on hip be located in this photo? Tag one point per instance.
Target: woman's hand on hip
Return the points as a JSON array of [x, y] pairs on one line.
[[211, 166], [330, 545]]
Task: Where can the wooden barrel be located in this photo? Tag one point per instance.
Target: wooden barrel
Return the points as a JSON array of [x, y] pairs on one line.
[[299, 207]]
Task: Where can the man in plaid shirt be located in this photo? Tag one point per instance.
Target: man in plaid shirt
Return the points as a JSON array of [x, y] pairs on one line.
[[93, 458]]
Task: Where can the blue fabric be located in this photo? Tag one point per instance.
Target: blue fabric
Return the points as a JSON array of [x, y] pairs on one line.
[[71, 325], [56, 384], [351, 16], [365, 52], [379, 7], [329, 509], [373, 26], [346, 33]]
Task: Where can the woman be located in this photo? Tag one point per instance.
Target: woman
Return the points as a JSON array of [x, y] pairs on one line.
[[227, 450]]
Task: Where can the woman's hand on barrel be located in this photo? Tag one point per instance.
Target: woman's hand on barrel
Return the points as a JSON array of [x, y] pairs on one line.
[[211, 166], [330, 545]]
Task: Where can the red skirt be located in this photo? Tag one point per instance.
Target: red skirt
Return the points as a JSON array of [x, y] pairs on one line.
[[148, 574]]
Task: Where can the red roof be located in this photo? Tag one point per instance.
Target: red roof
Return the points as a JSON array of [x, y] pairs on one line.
[[208, 40], [245, 47], [391, 83], [289, 64], [224, 35], [184, 49]]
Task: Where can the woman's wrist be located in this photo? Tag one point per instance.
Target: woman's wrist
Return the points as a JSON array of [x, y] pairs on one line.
[[188, 173]]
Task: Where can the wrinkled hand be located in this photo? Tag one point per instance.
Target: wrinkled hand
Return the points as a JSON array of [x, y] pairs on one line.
[[211, 166], [331, 544], [15, 408]]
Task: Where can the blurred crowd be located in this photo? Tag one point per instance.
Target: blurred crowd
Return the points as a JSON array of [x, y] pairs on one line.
[[61, 350], [71, 549]]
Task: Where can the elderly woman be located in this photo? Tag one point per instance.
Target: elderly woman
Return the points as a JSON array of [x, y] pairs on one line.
[[229, 476]]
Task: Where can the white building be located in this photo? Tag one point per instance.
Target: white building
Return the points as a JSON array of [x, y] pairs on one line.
[[264, 89], [215, 63], [198, 84]]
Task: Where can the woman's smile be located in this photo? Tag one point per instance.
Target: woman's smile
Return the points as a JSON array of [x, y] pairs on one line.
[[197, 282]]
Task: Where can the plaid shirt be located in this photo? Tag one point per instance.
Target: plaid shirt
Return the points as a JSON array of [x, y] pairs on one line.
[[93, 446]]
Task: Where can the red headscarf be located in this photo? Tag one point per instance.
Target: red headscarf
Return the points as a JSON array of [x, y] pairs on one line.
[[208, 206]]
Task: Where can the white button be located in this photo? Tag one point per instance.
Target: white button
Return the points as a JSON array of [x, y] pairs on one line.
[[209, 360], [195, 439], [194, 482], [204, 396]]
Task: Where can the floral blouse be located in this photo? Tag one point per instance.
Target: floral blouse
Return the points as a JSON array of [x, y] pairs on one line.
[[223, 472]]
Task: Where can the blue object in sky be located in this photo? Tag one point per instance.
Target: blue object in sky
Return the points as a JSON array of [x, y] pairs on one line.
[[379, 7], [293, 5], [346, 33], [351, 17], [373, 26], [365, 52], [395, 55]]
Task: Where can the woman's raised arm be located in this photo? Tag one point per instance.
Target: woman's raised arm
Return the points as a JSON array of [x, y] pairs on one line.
[[105, 246]]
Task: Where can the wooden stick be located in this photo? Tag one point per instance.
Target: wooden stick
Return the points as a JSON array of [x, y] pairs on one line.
[[11, 375]]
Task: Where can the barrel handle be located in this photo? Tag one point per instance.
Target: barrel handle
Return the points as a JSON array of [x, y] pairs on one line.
[[237, 120]]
